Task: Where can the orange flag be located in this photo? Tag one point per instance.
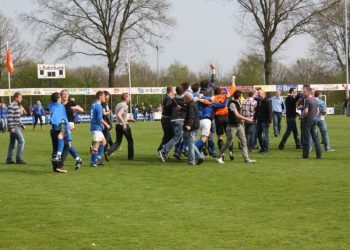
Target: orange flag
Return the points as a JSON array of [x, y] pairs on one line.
[[9, 64]]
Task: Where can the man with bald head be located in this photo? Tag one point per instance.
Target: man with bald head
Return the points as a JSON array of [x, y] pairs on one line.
[[191, 126], [263, 117]]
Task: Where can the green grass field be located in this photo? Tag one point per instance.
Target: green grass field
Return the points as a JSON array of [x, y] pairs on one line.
[[281, 202]]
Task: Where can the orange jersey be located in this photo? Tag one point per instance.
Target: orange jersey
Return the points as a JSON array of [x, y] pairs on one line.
[[222, 98]]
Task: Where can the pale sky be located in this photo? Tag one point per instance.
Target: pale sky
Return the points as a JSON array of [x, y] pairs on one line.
[[206, 31]]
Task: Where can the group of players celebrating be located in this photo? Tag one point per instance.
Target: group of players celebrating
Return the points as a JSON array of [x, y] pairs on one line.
[[203, 108], [207, 109]]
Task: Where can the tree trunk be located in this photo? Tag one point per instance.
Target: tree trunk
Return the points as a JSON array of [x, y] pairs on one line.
[[111, 75], [268, 67]]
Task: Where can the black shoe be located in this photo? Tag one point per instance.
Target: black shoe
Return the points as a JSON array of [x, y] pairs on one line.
[[177, 156], [10, 162], [299, 147], [212, 154], [205, 151], [78, 164], [200, 161], [100, 163], [106, 156], [280, 147], [21, 162], [232, 156]]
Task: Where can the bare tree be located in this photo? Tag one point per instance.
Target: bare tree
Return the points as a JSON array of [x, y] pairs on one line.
[[328, 31], [280, 73], [100, 27], [276, 21], [309, 71], [9, 33]]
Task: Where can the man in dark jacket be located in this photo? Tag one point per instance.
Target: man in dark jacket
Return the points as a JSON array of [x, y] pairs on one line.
[[191, 126], [291, 114], [166, 117], [178, 112], [263, 116]]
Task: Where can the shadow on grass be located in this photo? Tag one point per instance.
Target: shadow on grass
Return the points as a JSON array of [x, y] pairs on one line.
[[25, 170]]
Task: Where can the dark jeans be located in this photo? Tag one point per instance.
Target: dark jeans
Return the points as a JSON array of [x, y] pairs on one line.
[[291, 127], [250, 132], [128, 135], [263, 136], [277, 119], [54, 139], [108, 137], [310, 130], [168, 132], [38, 118]]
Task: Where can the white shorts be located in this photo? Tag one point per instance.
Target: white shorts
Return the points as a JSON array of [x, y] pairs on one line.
[[205, 126], [71, 125], [97, 136]]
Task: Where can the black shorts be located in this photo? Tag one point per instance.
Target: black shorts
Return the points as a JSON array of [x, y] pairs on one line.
[[221, 124]]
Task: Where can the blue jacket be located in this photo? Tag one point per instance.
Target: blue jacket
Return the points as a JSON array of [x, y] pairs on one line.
[[3, 113], [38, 110], [57, 115]]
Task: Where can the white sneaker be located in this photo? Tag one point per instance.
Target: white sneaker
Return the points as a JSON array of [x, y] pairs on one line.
[[250, 161], [219, 160]]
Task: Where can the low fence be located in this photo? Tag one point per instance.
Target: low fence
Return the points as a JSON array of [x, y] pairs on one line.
[[160, 90]]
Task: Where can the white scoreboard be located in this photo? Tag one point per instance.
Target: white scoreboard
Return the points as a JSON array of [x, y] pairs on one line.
[[51, 71]]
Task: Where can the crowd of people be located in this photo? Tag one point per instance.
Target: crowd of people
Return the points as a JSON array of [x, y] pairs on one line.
[[192, 117], [208, 109]]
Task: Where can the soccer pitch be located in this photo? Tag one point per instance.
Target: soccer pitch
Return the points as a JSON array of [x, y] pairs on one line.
[[281, 202]]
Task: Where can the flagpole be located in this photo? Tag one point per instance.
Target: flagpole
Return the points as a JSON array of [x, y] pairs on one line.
[[347, 48], [129, 71], [9, 76]]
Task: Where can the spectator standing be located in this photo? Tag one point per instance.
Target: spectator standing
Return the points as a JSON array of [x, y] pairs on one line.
[[38, 112], [134, 110], [291, 116], [309, 124], [278, 107], [3, 117], [151, 113], [14, 126], [321, 122], [248, 110], [144, 111]]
